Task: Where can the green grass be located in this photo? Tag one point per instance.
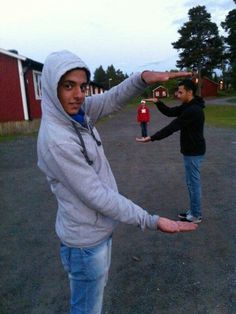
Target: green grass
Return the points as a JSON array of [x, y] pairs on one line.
[[224, 93], [221, 116], [233, 100], [7, 138], [12, 137]]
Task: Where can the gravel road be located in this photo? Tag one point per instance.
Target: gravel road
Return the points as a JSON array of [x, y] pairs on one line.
[[151, 272]]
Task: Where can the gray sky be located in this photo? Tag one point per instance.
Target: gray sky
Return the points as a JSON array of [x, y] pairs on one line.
[[133, 35]]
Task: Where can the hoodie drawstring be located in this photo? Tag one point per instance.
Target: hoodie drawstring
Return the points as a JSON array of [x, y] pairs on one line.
[[84, 150], [94, 137]]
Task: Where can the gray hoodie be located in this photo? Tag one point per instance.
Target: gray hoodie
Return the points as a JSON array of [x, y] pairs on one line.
[[89, 204]]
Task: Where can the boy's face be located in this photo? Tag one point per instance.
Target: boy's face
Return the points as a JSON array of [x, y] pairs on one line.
[[184, 95], [71, 90]]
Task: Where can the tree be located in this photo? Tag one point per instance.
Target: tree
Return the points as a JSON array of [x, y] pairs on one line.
[[201, 45], [110, 77], [233, 74], [229, 25], [100, 76], [120, 76]]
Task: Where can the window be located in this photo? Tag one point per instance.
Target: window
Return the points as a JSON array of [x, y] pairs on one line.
[[37, 84]]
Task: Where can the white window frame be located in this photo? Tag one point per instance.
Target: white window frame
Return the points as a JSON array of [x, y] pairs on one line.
[[37, 84]]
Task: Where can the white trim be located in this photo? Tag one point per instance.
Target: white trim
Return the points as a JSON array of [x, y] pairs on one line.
[[12, 54], [160, 86], [22, 88], [37, 85]]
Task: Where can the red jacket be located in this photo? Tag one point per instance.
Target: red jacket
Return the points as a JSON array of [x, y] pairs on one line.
[[143, 114]]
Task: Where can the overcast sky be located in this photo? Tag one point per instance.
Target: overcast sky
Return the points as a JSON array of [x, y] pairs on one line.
[[133, 35]]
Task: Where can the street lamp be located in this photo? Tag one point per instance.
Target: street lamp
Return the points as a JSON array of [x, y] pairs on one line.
[[109, 81], [221, 82]]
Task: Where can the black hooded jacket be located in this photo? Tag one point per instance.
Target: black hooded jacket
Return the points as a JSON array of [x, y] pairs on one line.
[[190, 121]]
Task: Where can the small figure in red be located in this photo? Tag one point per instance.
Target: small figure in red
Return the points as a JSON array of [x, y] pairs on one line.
[[143, 117]]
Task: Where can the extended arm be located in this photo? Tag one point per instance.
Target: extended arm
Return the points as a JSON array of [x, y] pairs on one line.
[[184, 119], [99, 197], [167, 111], [99, 105], [172, 127], [152, 77]]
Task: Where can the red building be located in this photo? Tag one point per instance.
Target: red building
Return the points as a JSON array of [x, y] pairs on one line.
[[209, 87], [20, 89], [160, 92]]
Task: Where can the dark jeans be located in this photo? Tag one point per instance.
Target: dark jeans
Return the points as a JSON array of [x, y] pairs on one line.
[[144, 129]]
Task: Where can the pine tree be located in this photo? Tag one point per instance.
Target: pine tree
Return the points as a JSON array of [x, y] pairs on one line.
[[100, 77], [200, 44], [110, 77], [229, 25]]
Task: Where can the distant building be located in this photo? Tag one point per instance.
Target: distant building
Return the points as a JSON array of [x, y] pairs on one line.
[[160, 92], [209, 88]]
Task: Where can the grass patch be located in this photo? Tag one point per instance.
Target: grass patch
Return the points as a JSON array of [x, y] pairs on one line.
[[224, 93], [12, 137], [233, 100], [221, 116], [7, 138]]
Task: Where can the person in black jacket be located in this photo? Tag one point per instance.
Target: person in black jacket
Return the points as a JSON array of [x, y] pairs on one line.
[[190, 122]]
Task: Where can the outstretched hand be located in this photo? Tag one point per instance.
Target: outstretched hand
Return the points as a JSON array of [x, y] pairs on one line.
[[143, 139], [152, 77], [171, 226], [151, 99]]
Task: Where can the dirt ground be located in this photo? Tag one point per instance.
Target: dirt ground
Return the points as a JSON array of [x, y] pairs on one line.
[[151, 272]]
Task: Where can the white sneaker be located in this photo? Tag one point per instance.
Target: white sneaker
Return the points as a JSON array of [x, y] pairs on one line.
[[184, 214], [191, 218]]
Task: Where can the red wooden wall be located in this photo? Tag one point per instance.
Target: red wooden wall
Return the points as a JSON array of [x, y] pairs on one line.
[[11, 108], [209, 88]]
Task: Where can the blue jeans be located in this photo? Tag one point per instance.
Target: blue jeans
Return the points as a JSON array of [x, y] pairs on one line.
[[143, 129], [87, 269], [192, 172]]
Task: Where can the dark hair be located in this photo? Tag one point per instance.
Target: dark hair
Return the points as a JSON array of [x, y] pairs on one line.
[[84, 69], [189, 85], [87, 73]]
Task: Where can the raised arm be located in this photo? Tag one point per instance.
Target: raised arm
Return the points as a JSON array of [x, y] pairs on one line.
[[167, 111], [100, 105], [152, 77]]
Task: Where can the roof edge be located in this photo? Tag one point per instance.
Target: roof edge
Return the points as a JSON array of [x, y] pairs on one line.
[[11, 54]]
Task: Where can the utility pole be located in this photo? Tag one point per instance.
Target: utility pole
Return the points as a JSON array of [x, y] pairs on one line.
[[109, 82]]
